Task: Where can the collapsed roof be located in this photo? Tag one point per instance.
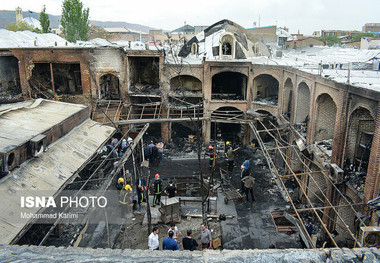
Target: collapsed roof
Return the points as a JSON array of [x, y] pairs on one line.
[[209, 40]]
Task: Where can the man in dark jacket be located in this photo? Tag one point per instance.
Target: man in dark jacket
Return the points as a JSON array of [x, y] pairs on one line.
[[249, 182], [188, 242], [171, 190]]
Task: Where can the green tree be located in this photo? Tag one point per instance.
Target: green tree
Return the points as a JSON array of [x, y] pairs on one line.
[[331, 40], [44, 21], [20, 26], [74, 20], [358, 37]]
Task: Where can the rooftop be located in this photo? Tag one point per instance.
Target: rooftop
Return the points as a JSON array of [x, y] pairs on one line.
[[10, 39], [18, 124], [45, 175]]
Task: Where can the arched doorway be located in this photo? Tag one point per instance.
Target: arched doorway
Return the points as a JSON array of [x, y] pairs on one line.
[[185, 83], [359, 139], [287, 100], [302, 108], [326, 117], [223, 127], [266, 88]]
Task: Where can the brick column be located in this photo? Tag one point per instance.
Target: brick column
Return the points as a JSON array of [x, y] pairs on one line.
[[24, 67], [166, 131], [371, 188], [206, 132], [340, 127]]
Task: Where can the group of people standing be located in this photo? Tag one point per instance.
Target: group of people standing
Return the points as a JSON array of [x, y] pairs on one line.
[[121, 148], [171, 242], [154, 152], [246, 178], [170, 190], [142, 189]]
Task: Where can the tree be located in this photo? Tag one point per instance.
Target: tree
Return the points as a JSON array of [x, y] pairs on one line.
[[358, 37], [20, 26], [44, 21], [331, 40], [74, 20]]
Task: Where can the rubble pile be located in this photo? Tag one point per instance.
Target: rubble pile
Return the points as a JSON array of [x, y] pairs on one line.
[[301, 127], [144, 89], [267, 100], [226, 97], [354, 176]]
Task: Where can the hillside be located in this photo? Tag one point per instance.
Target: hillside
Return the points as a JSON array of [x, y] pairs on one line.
[[9, 17]]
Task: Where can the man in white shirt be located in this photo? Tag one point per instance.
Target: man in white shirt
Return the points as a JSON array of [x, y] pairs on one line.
[[175, 231], [153, 242]]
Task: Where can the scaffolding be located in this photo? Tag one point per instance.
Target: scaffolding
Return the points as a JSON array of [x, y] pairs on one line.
[[282, 146]]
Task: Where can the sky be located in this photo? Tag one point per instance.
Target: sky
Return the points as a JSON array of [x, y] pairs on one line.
[[305, 16]]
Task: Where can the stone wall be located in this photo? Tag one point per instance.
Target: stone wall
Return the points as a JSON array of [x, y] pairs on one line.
[[53, 254]]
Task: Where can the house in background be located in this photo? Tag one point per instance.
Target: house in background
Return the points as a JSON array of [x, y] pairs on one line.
[[370, 43], [304, 42]]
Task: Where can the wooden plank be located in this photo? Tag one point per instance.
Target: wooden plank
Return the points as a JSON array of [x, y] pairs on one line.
[[155, 111], [142, 111], [137, 121]]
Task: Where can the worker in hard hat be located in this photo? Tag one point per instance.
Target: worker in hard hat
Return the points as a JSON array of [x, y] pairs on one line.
[[231, 158], [120, 183], [123, 147], [210, 153], [125, 199], [157, 188], [228, 146]]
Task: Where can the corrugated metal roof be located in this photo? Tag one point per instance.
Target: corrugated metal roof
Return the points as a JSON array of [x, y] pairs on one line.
[[47, 174], [123, 30], [10, 39], [18, 124], [32, 22]]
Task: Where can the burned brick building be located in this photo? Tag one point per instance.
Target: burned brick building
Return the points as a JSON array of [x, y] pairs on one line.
[[324, 128]]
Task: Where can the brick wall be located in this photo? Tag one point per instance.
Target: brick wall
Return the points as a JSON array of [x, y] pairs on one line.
[[348, 216], [361, 120], [326, 117], [303, 102]]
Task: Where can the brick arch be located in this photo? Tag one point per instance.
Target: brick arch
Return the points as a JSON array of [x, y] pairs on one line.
[[231, 109], [326, 111], [365, 106], [230, 69], [308, 82], [187, 82], [278, 75]]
